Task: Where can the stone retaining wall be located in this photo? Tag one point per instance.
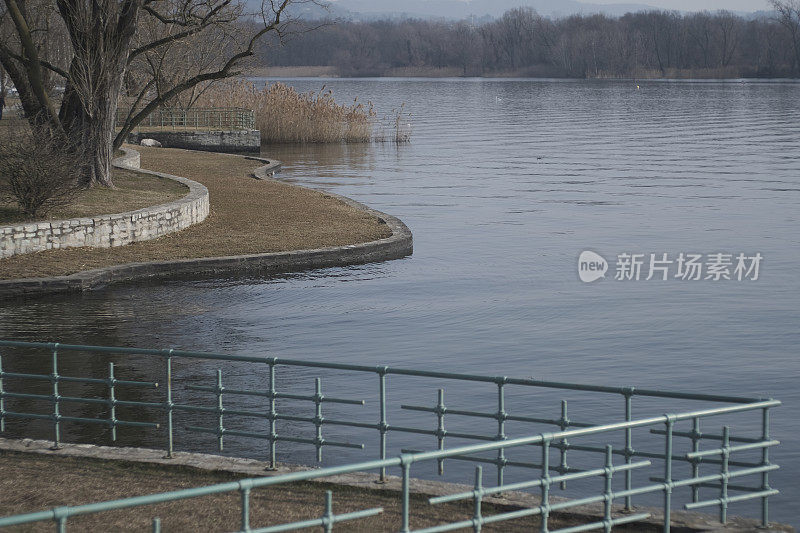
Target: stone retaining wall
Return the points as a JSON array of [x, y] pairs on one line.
[[235, 141], [106, 231]]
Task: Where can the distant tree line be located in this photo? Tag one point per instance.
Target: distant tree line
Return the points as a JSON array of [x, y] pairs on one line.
[[523, 43]]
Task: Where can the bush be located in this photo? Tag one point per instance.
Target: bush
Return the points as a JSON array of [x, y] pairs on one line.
[[36, 173]]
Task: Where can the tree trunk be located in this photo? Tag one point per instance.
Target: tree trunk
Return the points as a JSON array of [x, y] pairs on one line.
[[98, 146], [92, 134], [101, 32]]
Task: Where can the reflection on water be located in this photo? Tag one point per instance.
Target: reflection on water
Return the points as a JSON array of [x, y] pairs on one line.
[[504, 184]]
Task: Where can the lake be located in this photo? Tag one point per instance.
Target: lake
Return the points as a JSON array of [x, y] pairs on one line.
[[504, 184]]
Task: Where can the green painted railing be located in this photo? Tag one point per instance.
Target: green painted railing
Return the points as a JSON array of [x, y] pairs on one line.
[[198, 118], [570, 438]]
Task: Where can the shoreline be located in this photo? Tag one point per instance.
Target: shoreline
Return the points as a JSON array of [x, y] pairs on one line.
[[399, 244], [326, 72]]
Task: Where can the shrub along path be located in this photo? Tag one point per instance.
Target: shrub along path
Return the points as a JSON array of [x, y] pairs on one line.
[[247, 217], [132, 191]]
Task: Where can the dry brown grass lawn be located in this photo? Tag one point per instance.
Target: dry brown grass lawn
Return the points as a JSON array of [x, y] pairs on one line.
[[30, 482], [247, 216]]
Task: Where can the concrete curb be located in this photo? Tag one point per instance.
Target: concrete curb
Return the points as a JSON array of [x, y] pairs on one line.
[[398, 245], [683, 521], [269, 169]]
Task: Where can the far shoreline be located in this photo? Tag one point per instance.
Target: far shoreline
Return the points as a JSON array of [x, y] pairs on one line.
[[333, 73]]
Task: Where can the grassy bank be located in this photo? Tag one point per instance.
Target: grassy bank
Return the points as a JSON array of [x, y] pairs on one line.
[[132, 191], [30, 482], [247, 217]]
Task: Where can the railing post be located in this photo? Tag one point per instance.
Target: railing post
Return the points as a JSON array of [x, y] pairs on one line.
[[670, 423], [723, 486], [383, 426], [765, 462], [156, 527], [2, 399], [628, 447], [608, 494], [169, 404], [318, 441], [112, 402], [440, 431], [273, 414], [696, 437], [246, 509], [563, 424], [545, 503], [220, 412], [60, 518], [477, 497], [328, 517], [501, 429], [56, 398], [405, 463]]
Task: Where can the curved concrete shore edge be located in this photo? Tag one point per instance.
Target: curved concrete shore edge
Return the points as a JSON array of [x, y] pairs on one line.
[[396, 246]]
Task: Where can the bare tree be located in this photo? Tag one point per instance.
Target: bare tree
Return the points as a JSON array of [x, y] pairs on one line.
[[151, 45], [465, 44], [789, 17], [728, 28], [701, 32]]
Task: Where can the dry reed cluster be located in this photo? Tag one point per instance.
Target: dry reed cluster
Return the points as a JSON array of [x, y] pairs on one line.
[[285, 116]]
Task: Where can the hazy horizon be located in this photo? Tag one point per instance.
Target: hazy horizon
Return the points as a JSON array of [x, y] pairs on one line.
[[682, 5], [697, 5]]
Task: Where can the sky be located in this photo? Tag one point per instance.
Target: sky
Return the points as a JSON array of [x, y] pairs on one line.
[[697, 5]]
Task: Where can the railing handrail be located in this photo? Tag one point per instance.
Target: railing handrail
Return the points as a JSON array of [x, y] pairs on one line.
[[562, 440], [400, 460], [405, 458], [172, 117], [386, 370], [190, 109]]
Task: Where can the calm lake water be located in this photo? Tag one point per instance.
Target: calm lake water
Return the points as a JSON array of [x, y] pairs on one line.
[[503, 185]]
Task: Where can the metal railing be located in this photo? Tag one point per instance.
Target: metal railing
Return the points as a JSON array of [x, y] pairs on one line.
[[569, 440], [196, 118]]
